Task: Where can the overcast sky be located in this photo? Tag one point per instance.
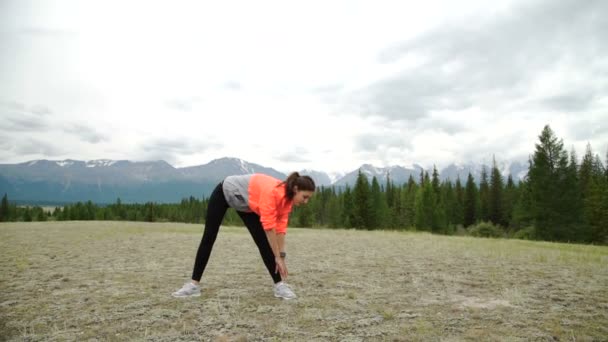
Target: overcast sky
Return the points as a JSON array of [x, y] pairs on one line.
[[325, 85]]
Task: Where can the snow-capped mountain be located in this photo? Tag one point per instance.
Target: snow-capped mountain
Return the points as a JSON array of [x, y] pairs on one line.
[[217, 169], [452, 172], [320, 178], [397, 174], [103, 181]]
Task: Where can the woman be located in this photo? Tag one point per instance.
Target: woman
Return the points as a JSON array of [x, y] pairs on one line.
[[264, 204]]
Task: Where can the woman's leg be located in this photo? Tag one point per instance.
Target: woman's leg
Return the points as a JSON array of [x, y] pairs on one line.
[[215, 214], [252, 221]]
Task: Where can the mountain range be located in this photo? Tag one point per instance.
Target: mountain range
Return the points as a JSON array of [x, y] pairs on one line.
[[103, 181]]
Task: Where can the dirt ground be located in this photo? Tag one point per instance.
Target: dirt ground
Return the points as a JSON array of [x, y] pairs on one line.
[[112, 281]]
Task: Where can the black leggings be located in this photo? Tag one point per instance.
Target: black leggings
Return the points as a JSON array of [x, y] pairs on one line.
[[215, 214]]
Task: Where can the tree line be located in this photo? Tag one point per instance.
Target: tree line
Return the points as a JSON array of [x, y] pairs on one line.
[[559, 200]]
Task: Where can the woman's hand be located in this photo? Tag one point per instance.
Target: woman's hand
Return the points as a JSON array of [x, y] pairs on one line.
[[281, 267]]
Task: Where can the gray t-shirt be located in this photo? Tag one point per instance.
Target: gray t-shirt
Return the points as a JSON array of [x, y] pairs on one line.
[[236, 191]]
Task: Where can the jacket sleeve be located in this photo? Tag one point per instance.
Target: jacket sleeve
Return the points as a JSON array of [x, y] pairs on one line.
[[268, 210], [282, 220]]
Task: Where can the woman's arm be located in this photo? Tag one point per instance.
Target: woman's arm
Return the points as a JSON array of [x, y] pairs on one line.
[[281, 242], [273, 240]]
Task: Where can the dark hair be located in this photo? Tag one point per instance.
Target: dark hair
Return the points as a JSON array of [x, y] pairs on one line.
[[302, 182]]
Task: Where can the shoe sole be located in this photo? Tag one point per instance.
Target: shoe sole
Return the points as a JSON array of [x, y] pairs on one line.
[[192, 295], [285, 298]]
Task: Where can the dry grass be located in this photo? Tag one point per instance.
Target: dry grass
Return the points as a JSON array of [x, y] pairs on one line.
[[84, 281]]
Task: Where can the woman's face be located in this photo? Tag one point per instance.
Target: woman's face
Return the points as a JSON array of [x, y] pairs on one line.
[[301, 196]]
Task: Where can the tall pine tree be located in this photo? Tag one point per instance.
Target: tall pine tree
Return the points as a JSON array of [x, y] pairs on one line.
[[509, 200], [596, 201], [407, 204], [470, 202], [362, 204], [425, 206], [348, 208], [554, 205], [4, 209], [495, 196], [379, 208], [484, 196], [458, 218]]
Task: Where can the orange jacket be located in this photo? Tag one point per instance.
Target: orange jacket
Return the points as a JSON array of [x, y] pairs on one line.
[[268, 200]]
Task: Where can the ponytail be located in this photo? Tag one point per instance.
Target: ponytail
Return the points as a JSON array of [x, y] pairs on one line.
[[302, 182]]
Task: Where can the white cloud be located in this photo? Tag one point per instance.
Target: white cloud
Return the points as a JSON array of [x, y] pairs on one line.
[[316, 85]]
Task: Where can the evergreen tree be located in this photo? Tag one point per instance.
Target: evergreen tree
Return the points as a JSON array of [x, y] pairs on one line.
[[390, 191], [392, 201], [435, 181], [484, 196], [555, 205], [598, 168], [4, 209], [335, 212], [606, 167], [305, 217], [509, 199], [444, 209], [379, 207], [578, 229], [395, 208], [362, 203], [596, 210], [424, 206], [448, 196], [458, 212], [27, 215], [596, 200], [40, 214], [348, 208], [586, 171], [57, 213], [495, 196], [470, 202], [407, 208], [64, 214]]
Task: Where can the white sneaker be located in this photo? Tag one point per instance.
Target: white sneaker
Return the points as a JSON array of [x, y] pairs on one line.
[[281, 290], [188, 290]]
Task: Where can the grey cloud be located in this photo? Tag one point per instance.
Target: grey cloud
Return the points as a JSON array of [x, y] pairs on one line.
[[34, 146], [12, 105], [170, 147], [23, 124], [86, 133], [17, 117], [468, 62], [486, 146], [447, 126], [40, 110], [585, 128], [375, 142], [21, 108], [569, 102], [5, 145]]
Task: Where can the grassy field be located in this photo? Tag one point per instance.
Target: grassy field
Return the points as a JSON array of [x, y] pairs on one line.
[[84, 281]]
